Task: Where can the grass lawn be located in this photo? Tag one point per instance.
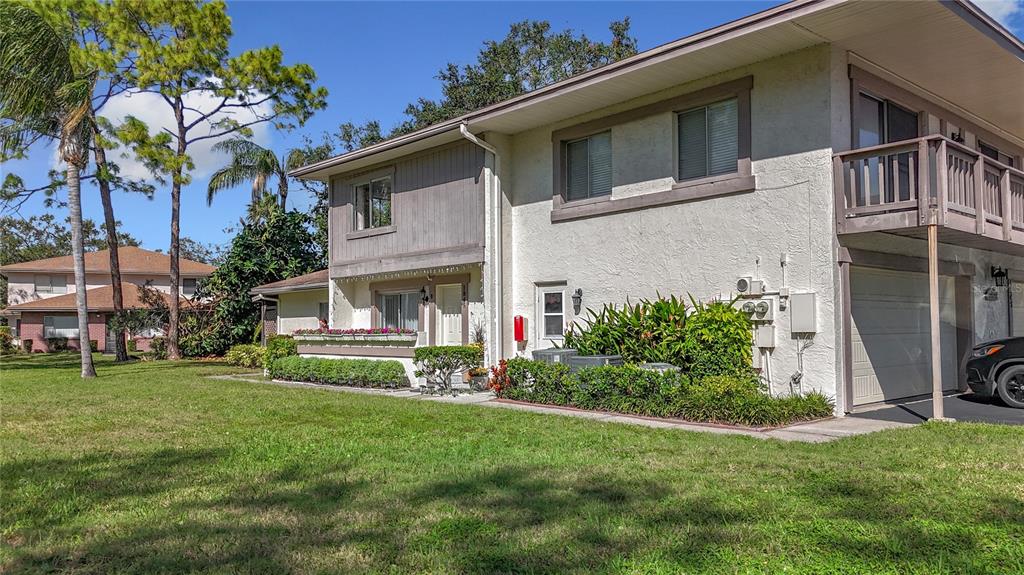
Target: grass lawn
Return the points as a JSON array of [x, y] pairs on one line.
[[154, 468]]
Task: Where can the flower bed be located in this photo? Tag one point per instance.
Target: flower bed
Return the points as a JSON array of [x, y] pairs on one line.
[[356, 331], [358, 336], [736, 400]]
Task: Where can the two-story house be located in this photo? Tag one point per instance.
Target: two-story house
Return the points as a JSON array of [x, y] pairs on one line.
[[821, 157], [41, 300]]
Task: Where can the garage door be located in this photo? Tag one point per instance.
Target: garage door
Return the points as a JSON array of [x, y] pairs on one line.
[[891, 334]]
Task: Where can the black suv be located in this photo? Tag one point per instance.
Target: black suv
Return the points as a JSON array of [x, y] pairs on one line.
[[997, 367]]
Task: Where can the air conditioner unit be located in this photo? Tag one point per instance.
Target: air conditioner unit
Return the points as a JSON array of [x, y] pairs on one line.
[[749, 286]]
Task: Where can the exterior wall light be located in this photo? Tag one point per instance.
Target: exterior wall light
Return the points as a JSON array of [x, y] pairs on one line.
[[423, 295], [577, 300], [999, 275]]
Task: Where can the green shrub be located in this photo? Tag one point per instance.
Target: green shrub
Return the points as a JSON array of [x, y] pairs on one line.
[[132, 345], [6, 339], [245, 355], [437, 363], [56, 344], [279, 346], [158, 347], [736, 399], [26, 345], [718, 341], [648, 331], [355, 372], [94, 345]]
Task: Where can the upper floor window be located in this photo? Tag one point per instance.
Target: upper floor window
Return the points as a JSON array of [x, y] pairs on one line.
[[709, 140], [53, 284], [188, 286], [373, 204], [994, 153], [588, 167]]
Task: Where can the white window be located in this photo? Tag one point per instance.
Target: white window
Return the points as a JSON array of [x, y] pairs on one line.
[[60, 326], [373, 204], [551, 312], [709, 140], [400, 310], [188, 286], [588, 167], [54, 284], [323, 310]]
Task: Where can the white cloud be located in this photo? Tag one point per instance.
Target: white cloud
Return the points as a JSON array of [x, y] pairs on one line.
[[154, 111], [1004, 11]]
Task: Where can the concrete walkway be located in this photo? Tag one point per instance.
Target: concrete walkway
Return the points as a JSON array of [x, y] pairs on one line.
[[812, 432]]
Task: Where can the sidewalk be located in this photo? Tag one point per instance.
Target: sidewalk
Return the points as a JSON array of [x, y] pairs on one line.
[[811, 432]]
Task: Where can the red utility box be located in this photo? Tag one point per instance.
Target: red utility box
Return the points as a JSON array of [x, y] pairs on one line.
[[519, 328]]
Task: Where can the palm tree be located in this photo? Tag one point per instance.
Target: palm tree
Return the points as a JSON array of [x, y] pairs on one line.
[[252, 162], [43, 98]]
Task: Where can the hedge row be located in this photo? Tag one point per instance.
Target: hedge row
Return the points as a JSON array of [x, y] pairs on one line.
[[354, 372], [627, 389]]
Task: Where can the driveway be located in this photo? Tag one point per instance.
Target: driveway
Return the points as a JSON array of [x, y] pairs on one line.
[[961, 407]]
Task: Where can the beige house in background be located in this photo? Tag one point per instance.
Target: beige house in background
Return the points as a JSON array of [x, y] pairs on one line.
[[816, 160], [292, 304]]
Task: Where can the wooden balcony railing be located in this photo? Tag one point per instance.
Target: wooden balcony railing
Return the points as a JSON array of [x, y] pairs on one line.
[[928, 180]]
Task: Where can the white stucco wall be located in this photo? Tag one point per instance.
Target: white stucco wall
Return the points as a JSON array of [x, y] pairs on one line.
[[352, 301], [700, 247], [299, 310]]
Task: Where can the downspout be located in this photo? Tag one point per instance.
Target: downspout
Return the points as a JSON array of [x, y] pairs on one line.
[[496, 264]]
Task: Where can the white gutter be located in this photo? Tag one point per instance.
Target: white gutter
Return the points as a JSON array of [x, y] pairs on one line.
[[496, 264]]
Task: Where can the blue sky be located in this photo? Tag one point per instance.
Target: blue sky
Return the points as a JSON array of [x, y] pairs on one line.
[[375, 58]]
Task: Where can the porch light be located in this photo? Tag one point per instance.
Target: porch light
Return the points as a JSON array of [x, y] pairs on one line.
[[423, 295], [577, 300], [999, 275]]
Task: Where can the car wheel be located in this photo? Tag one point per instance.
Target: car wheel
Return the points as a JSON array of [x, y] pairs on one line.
[[1011, 386]]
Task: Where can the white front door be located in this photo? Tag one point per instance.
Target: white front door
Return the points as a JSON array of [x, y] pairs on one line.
[[891, 334], [449, 310]]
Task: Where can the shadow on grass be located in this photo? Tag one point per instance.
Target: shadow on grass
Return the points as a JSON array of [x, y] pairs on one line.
[[177, 512]]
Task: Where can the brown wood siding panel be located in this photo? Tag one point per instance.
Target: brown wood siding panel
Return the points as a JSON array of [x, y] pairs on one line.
[[438, 203]]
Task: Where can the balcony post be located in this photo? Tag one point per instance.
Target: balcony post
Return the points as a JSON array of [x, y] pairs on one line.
[[840, 193], [979, 194], [941, 183], [933, 306], [923, 197], [1007, 202]]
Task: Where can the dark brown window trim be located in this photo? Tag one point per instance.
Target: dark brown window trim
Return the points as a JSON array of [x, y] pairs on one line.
[[685, 192], [370, 232], [739, 89]]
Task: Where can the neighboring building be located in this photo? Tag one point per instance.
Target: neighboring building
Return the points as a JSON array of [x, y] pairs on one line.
[[294, 303], [41, 300], [809, 148]]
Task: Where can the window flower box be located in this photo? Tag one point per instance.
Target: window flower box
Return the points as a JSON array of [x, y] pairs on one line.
[[357, 336]]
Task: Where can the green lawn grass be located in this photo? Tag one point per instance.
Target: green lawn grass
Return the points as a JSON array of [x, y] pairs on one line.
[[153, 467]]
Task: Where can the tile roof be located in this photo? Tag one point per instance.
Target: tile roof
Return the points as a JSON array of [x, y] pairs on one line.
[[133, 260], [98, 299]]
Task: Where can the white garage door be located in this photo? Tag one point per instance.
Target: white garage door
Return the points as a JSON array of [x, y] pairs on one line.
[[891, 334]]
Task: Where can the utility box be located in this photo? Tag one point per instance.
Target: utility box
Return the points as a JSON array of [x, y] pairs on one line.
[[803, 313], [764, 336]]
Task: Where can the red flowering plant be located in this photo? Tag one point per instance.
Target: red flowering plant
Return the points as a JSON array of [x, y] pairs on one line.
[[356, 331], [499, 378]]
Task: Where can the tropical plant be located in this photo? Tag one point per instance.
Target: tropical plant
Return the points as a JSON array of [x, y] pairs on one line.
[[250, 162], [648, 331], [178, 50], [43, 96], [718, 340]]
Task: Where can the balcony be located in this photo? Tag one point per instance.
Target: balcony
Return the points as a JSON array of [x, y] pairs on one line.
[[903, 186]]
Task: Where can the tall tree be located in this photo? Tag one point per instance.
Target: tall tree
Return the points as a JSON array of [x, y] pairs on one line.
[[250, 162], [86, 23], [43, 96], [178, 50]]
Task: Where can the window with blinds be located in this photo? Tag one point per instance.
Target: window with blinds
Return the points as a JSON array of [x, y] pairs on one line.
[[708, 140], [588, 167], [400, 310]]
